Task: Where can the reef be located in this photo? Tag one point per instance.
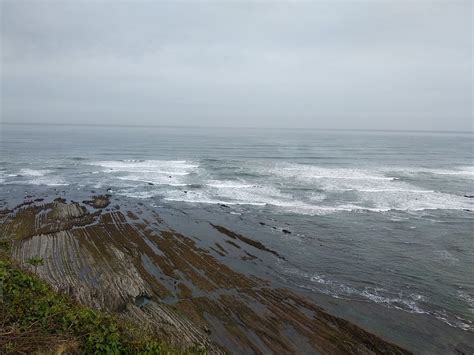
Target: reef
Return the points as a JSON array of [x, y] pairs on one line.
[[131, 263]]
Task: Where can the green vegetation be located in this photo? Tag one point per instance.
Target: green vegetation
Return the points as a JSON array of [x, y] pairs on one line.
[[35, 261], [35, 318]]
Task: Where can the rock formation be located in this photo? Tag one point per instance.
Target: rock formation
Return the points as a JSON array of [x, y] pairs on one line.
[[147, 272]]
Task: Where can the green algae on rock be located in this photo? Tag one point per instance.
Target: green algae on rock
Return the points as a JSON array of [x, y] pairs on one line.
[[110, 259]]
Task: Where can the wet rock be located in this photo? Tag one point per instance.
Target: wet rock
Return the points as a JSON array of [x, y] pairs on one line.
[[248, 256], [151, 184], [142, 300], [246, 240], [98, 202], [286, 231], [89, 256], [469, 196]]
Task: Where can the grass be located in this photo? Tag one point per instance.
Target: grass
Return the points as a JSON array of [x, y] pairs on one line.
[[36, 319]]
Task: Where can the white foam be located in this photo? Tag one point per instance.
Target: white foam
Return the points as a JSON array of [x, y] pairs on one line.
[[460, 171], [467, 298], [207, 197], [226, 184], [177, 167], [319, 190], [153, 179], [406, 302], [137, 194], [311, 172], [35, 177], [395, 190], [444, 256], [373, 201], [317, 197], [375, 294], [33, 172], [414, 201], [157, 172], [46, 180], [214, 202]]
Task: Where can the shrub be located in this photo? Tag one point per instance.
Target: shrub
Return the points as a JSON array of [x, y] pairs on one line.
[[33, 315]]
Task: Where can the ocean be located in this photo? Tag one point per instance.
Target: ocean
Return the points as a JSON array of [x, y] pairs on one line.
[[376, 227]]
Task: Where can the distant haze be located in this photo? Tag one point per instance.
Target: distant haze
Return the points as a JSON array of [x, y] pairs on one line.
[[322, 64]]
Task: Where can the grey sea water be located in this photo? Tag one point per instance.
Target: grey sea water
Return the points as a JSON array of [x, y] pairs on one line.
[[376, 226]]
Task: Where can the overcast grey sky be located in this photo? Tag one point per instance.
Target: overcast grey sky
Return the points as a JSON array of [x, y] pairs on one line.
[[322, 64]]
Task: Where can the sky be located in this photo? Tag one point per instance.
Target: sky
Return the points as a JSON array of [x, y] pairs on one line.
[[396, 65]]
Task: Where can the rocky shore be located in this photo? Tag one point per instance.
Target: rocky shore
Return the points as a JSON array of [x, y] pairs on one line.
[[129, 261]]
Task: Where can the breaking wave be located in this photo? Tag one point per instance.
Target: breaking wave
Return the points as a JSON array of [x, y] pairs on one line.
[[292, 188]]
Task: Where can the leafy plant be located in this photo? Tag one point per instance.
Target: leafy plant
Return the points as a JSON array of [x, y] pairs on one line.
[[33, 316], [35, 261]]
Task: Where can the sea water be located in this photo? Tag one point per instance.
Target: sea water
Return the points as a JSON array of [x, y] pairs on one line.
[[369, 219]]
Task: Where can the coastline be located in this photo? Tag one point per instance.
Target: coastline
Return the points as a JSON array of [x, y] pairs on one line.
[[127, 260]]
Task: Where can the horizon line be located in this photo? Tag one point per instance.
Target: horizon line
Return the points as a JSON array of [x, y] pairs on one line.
[[122, 125]]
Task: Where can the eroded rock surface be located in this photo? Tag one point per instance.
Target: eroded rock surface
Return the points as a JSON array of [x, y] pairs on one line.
[[148, 272]]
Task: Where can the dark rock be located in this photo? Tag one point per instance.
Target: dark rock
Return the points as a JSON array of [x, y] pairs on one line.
[[254, 243], [100, 201], [151, 184], [286, 231], [262, 224], [469, 196]]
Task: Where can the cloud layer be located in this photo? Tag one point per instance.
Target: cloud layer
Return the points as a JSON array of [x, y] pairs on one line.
[[359, 64]]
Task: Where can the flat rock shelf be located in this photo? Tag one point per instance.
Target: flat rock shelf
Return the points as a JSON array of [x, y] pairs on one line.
[[127, 260]]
